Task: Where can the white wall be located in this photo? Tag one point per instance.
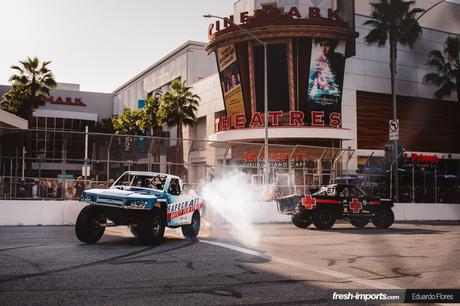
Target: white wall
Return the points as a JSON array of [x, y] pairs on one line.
[[39, 212], [66, 212]]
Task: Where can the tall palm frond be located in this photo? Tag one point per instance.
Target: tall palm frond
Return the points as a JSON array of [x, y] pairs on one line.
[[446, 64]]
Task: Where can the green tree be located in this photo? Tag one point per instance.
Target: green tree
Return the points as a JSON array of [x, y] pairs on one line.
[[150, 121], [12, 100], [447, 65], [178, 107], [32, 83], [128, 123], [393, 21]]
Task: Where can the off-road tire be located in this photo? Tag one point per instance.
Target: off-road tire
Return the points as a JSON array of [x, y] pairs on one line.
[[152, 227], [87, 227], [191, 231], [301, 222], [383, 218], [134, 229], [323, 218], [360, 222]]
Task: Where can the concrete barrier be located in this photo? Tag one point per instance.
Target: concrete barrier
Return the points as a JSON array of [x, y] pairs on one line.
[[66, 212], [39, 212]]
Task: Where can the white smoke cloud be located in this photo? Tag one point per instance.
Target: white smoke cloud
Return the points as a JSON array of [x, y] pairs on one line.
[[230, 206]]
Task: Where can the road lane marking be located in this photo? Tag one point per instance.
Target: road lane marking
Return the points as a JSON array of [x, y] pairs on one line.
[[307, 267]]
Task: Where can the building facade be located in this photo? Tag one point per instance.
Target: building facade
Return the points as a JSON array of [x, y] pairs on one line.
[[293, 32], [329, 101]]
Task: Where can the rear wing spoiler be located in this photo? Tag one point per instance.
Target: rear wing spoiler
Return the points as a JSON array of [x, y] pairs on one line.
[[286, 205]]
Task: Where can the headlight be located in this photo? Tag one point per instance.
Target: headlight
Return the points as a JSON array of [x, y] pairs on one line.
[[136, 203], [86, 197]]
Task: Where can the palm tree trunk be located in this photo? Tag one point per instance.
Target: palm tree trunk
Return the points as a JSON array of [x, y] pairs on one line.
[[458, 86], [393, 56], [179, 149]]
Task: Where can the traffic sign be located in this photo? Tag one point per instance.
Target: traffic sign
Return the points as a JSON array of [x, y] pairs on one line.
[[393, 129]]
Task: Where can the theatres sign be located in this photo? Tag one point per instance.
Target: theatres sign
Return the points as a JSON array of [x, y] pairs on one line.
[[65, 101], [293, 118]]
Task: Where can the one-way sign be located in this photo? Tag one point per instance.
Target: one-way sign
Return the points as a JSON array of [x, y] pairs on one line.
[[394, 129]]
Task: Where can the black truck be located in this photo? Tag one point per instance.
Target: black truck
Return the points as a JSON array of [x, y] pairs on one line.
[[337, 201]]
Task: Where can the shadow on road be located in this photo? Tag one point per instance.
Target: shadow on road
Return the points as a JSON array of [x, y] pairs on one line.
[[389, 231]]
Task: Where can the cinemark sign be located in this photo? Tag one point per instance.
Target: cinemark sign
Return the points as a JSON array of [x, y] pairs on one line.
[[65, 101]]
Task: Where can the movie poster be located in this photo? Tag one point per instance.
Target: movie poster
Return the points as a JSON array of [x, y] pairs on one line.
[[325, 81], [230, 80]]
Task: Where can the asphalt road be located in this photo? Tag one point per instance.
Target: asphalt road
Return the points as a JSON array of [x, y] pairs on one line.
[[289, 266]]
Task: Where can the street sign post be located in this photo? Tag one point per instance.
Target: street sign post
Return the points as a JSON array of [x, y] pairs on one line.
[[393, 128]]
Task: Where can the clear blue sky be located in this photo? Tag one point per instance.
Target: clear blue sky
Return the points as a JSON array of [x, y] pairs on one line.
[[100, 44]]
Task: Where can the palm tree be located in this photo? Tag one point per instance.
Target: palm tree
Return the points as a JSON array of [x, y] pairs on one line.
[[178, 108], [150, 120], [393, 21], [447, 65], [36, 80]]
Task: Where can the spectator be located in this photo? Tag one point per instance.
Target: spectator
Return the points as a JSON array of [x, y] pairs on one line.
[[79, 186], [43, 190], [22, 189], [59, 191], [35, 189]]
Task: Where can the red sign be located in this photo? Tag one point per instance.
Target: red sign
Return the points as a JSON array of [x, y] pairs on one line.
[[356, 205], [295, 118], [309, 202], [420, 161], [273, 14], [65, 101], [251, 157]]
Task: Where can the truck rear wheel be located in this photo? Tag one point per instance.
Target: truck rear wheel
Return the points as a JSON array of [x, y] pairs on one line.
[[301, 222], [323, 218], [152, 227], [383, 218], [87, 227], [191, 231]]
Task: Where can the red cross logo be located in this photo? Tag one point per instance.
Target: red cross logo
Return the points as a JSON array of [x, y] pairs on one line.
[[356, 205], [309, 202]]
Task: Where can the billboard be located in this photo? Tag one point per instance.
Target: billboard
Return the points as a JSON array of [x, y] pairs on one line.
[[230, 80], [325, 82]]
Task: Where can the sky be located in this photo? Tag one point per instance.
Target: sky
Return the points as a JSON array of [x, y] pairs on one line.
[[100, 44]]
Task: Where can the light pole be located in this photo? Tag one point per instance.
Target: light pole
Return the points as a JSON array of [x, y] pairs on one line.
[[266, 166]]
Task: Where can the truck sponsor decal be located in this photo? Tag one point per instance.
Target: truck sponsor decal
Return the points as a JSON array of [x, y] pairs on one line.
[[182, 208]]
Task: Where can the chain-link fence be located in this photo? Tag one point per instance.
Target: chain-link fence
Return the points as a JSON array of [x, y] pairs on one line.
[[53, 164]]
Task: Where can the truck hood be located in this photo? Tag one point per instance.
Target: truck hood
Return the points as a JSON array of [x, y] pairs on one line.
[[136, 193]]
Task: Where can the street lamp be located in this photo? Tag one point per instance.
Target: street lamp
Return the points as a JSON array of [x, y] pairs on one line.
[[266, 166]]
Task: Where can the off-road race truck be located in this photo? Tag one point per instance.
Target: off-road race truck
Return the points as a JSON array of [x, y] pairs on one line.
[[337, 201], [145, 201]]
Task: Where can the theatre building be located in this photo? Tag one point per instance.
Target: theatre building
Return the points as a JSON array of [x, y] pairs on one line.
[[326, 89]]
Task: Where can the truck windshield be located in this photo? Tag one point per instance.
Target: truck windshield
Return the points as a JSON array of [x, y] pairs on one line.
[[156, 181]]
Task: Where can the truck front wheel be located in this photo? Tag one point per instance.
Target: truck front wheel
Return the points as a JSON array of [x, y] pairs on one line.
[[87, 227], [151, 228], [191, 230], [383, 218]]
